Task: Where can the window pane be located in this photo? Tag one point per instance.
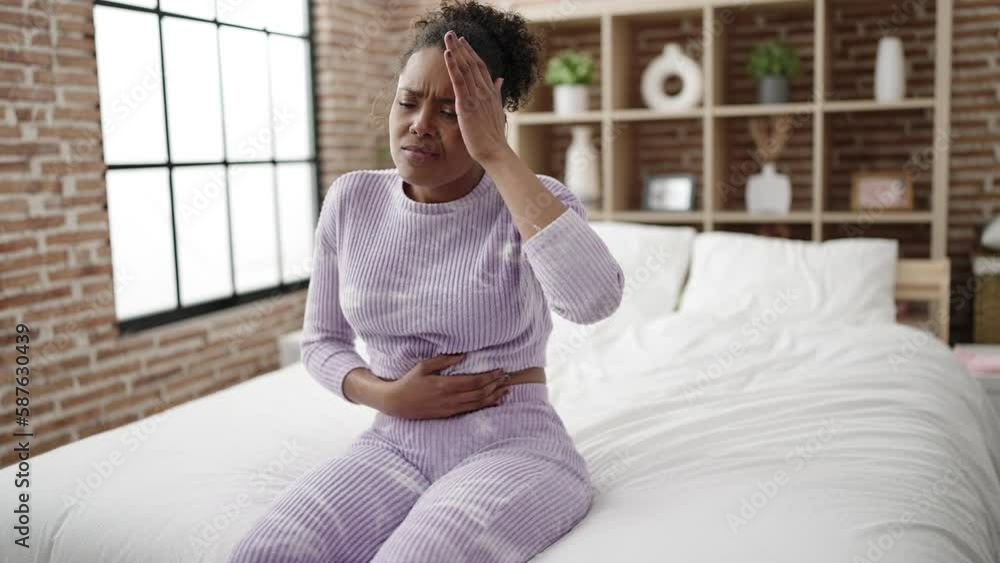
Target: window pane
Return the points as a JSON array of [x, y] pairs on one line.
[[245, 102], [130, 86], [290, 95], [142, 248], [255, 238], [288, 16], [202, 233], [195, 109], [197, 8], [296, 218], [250, 13]]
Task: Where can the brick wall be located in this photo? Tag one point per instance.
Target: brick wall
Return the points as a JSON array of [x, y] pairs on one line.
[[55, 255], [358, 44], [55, 267], [974, 191]]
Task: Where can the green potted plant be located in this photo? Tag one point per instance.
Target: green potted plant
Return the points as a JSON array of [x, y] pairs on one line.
[[569, 73], [773, 64]]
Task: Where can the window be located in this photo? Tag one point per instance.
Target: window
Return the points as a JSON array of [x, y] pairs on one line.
[[209, 137]]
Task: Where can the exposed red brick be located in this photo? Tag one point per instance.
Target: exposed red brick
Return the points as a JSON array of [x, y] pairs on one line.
[[29, 186], [95, 394], [21, 281], [76, 236], [107, 372], [34, 297]]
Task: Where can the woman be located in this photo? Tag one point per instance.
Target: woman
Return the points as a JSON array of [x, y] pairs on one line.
[[446, 267]]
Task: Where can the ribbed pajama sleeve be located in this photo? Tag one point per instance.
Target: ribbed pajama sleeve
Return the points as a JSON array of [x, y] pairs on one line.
[[327, 348], [581, 280]]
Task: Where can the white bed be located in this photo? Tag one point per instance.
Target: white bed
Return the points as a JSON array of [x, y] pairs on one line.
[[672, 451], [708, 437]]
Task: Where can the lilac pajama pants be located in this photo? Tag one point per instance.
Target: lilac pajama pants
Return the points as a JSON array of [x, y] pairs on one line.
[[499, 484]]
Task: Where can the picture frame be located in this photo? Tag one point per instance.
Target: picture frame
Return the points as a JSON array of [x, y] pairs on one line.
[[668, 192], [882, 190]]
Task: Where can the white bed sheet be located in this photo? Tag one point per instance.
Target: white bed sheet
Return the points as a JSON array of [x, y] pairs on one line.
[[707, 440]]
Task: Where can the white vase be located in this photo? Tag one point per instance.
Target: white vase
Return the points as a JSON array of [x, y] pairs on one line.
[[570, 98], [769, 192], [890, 70], [583, 170], [672, 62], [991, 235]]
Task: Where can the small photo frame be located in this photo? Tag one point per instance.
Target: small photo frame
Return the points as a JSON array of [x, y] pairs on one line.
[[887, 190], [668, 192]]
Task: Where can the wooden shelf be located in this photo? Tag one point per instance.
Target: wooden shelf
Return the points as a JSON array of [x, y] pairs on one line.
[[828, 106], [832, 138], [872, 105], [746, 217], [877, 217], [596, 214], [653, 115], [661, 217], [552, 118], [546, 12], [762, 109]]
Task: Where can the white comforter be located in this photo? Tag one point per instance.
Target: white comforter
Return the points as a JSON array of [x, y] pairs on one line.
[[707, 440]]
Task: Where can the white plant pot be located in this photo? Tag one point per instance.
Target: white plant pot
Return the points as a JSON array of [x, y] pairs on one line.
[[769, 192], [583, 170], [890, 70], [570, 98]]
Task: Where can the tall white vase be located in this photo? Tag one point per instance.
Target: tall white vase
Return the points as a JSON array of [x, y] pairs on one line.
[[890, 70], [769, 192], [583, 170]]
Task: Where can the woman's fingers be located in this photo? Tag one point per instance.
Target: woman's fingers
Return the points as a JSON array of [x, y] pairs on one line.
[[460, 51], [482, 397], [476, 66], [462, 78], [471, 69], [455, 58], [458, 80]]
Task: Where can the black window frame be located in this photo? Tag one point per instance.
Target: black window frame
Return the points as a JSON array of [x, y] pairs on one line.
[[182, 312]]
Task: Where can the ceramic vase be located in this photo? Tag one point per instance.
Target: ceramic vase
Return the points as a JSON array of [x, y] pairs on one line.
[[890, 70], [570, 98], [583, 172], [769, 192], [671, 62], [991, 235]]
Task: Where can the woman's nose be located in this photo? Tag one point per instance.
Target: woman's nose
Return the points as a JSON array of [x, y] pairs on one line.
[[423, 124]]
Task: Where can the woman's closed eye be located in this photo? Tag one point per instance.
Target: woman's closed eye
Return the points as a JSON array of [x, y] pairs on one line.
[[410, 105]]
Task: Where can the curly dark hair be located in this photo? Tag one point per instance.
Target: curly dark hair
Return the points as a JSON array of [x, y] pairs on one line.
[[501, 38]]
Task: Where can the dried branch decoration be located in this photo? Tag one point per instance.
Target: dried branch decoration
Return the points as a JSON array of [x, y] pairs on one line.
[[770, 135]]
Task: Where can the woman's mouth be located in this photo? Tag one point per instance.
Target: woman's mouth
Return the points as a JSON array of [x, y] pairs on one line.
[[417, 155]]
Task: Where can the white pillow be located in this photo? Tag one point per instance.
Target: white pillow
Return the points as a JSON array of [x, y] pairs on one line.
[[654, 259], [848, 280]]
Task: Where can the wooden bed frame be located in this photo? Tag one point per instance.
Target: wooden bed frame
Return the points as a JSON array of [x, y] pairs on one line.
[[927, 280]]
